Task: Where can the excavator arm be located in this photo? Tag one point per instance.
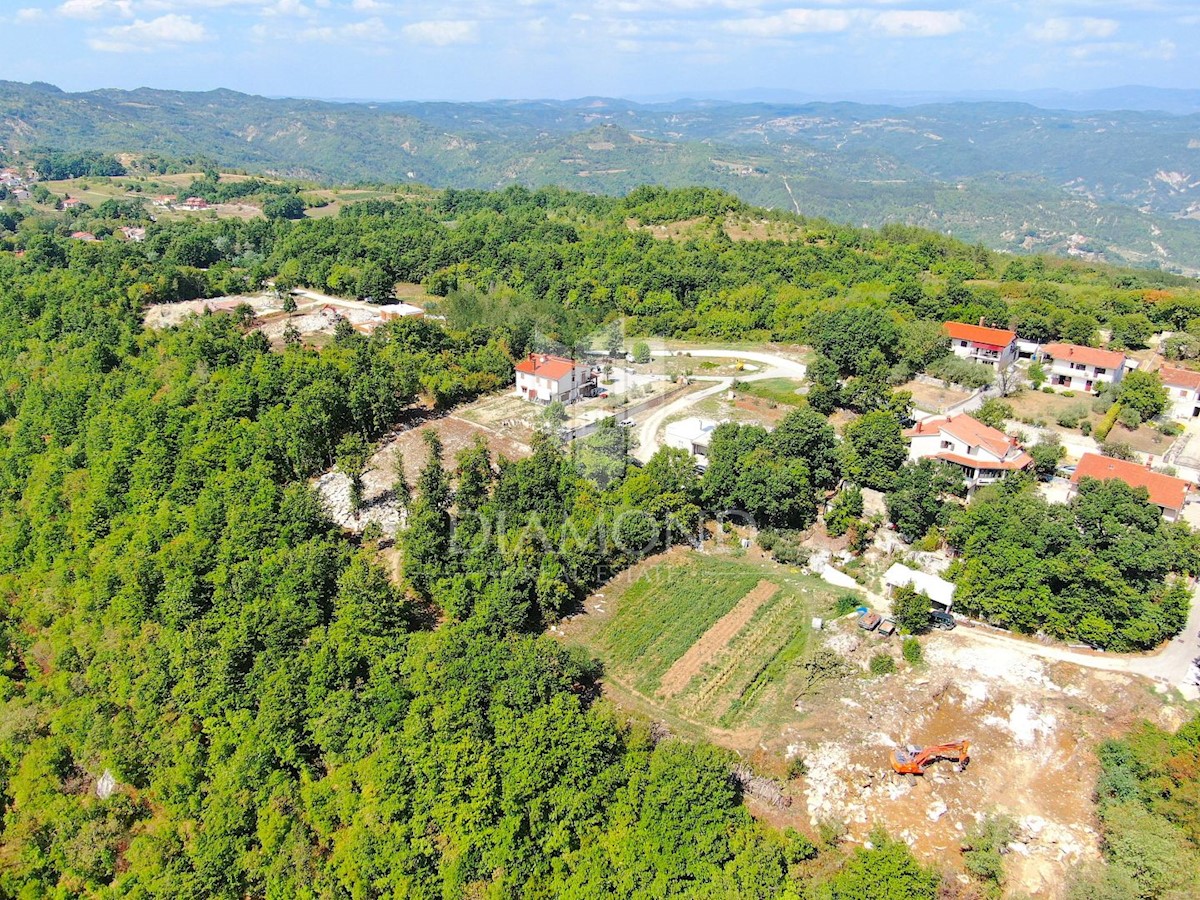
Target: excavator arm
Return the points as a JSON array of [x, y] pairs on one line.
[[906, 763]]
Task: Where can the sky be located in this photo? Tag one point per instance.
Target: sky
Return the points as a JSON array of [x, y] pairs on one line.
[[487, 49]]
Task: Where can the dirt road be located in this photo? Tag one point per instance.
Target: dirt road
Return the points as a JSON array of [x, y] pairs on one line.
[[1169, 665]]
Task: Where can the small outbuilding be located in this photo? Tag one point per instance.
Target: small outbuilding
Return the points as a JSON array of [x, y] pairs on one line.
[[939, 591]]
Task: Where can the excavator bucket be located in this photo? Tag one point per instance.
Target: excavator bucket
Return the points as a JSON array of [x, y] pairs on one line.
[[914, 762]]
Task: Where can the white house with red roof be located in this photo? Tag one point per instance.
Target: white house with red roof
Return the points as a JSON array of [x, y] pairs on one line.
[[985, 454], [544, 379], [977, 343], [1166, 492], [1079, 368], [1183, 391]]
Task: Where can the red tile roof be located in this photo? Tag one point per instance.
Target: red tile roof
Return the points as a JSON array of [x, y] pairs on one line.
[[1165, 491], [1089, 356], [968, 430], [1177, 377], [978, 334], [543, 366]]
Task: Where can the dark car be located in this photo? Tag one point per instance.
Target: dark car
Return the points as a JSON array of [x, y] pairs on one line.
[[942, 620]]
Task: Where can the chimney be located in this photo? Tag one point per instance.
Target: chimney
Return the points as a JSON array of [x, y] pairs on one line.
[[981, 321]]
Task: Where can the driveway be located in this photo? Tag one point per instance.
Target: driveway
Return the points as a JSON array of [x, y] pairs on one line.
[[648, 442]]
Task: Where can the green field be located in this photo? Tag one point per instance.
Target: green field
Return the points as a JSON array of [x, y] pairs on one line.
[[778, 390], [742, 672]]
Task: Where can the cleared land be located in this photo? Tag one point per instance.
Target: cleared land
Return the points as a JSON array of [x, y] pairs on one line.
[[775, 390], [1043, 410]]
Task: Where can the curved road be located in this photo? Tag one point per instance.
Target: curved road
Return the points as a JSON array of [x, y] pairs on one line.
[[780, 367], [1170, 664]]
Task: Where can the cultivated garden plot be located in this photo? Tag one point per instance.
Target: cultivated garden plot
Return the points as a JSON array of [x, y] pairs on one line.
[[707, 640]]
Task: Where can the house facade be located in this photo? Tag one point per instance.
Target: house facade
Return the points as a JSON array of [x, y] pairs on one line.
[[1183, 391], [1166, 492], [996, 347], [985, 454], [543, 379], [1083, 368], [693, 435]]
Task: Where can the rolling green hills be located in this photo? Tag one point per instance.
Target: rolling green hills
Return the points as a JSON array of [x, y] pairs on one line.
[[1122, 187]]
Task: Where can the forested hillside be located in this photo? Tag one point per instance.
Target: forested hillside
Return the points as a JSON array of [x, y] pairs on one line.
[[265, 711], [1113, 186]]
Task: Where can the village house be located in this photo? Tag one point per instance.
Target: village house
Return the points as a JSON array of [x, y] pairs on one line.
[[1166, 492], [991, 346], [693, 435], [132, 233], [82, 236], [195, 203], [985, 454], [1183, 391], [1083, 368], [544, 379], [72, 203], [22, 195]]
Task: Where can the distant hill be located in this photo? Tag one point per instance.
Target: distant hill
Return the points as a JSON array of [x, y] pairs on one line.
[[1116, 186]]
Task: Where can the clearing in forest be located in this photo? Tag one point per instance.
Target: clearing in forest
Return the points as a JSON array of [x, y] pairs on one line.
[[706, 641]]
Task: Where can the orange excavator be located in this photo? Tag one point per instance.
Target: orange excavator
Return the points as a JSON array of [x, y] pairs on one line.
[[914, 761]]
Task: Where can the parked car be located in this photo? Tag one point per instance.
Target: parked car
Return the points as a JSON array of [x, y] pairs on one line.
[[626, 423], [870, 621], [942, 620]]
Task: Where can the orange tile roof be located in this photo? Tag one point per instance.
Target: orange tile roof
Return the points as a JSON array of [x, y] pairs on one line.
[[1164, 490], [1014, 464], [968, 430], [1177, 377], [978, 334], [1089, 356], [543, 366]]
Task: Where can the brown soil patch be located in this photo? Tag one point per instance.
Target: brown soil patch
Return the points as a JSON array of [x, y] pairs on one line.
[[934, 398], [714, 640]]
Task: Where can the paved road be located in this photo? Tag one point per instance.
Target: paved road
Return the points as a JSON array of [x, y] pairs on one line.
[[1169, 664], [786, 368], [780, 367]]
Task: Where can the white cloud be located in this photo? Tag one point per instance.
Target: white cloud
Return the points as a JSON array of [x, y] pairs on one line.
[[793, 21], [287, 8], [1063, 29], [918, 23], [29, 14], [443, 32], [368, 6], [95, 9], [146, 36], [370, 30]]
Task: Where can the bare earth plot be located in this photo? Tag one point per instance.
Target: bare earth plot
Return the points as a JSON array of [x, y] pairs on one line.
[[711, 647]]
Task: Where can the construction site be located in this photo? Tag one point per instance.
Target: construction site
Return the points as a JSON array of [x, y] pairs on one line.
[[928, 751]]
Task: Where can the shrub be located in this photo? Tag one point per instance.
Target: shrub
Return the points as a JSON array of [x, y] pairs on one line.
[[1130, 418], [846, 604], [1068, 393], [983, 845], [1106, 424], [797, 767], [1170, 429], [910, 609], [993, 412], [1047, 390], [1119, 450], [1072, 415], [1085, 427], [797, 848], [911, 651], [1037, 375], [967, 374], [882, 664]]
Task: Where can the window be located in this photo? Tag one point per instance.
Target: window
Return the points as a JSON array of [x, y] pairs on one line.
[[1100, 371], [971, 451], [947, 445], [962, 343]]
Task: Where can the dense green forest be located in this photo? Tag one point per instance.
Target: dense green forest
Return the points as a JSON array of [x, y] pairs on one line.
[[1109, 183], [281, 718]]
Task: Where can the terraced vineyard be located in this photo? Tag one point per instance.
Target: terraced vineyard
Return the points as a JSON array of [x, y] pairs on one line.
[[712, 641]]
